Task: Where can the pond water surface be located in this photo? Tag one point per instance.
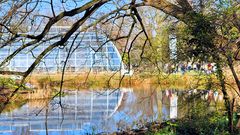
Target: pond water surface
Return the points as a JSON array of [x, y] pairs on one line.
[[105, 111]]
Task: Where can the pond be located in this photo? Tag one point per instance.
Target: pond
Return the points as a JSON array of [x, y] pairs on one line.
[[105, 111]]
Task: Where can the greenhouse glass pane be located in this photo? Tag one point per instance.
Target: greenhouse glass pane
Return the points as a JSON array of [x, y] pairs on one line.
[[84, 55]]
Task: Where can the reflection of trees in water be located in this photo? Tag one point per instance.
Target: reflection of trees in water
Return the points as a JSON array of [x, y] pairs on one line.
[[141, 102], [199, 102], [177, 104], [138, 107], [39, 103], [169, 103], [154, 104]]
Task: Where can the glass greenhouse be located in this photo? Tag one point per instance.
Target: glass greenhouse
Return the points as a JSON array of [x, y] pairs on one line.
[[89, 51]]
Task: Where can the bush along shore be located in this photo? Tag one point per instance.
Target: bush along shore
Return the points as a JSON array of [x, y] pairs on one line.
[[213, 123]]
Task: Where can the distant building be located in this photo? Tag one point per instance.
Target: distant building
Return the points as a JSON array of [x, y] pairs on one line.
[[90, 51]]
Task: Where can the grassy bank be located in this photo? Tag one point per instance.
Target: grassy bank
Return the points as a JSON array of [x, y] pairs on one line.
[[214, 123], [102, 80], [191, 80], [48, 84]]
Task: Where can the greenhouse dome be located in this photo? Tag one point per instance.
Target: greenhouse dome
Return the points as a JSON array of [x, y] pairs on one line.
[[90, 50]]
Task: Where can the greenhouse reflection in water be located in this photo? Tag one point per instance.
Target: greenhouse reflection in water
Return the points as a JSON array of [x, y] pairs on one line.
[[107, 111]]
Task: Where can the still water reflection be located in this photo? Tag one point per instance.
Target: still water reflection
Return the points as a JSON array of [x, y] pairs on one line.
[[92, 111]]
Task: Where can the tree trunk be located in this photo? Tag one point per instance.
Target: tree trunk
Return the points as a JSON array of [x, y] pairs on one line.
[[230, 64], [226, 98]]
